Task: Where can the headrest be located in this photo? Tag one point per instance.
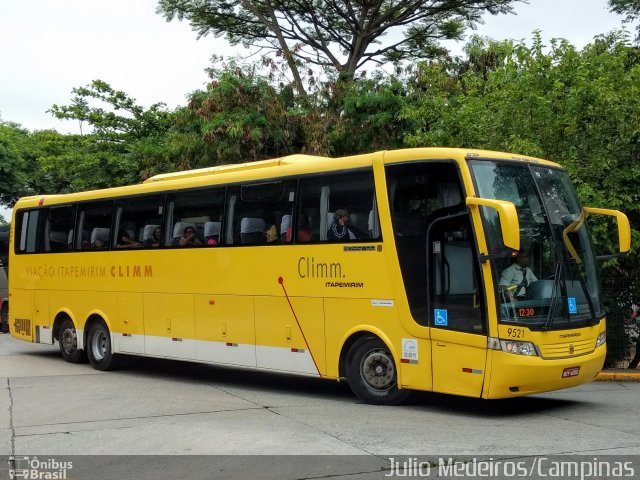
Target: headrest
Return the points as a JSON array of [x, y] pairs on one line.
[[286, 223], [211, 229], [179, 228], [251, 225], [101, 234], [147, 233]]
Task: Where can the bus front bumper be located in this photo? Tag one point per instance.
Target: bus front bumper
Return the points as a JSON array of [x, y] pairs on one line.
[[517, 375]]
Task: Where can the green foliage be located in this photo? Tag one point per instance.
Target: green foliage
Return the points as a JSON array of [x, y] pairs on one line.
[[341, 36], [630, 8], [370, 117], [125, 143], [244, 118], [579, 108], [17, 159]]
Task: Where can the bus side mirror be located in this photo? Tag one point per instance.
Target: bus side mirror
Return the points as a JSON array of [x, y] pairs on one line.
[[624, 229], [509, 224]]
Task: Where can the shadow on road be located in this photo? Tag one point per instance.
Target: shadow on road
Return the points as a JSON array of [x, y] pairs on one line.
[[282, 383]]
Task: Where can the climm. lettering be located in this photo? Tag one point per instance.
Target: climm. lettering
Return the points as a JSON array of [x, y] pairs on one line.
[[131, 271], [309, 268]]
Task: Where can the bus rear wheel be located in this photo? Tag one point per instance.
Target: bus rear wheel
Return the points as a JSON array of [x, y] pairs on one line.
[[68, 341], [371, 373], [99, 349]]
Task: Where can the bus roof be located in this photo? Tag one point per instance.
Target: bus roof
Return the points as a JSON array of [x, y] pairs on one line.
[[273, 168]]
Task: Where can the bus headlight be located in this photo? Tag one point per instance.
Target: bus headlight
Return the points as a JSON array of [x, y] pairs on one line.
[[511, 346], [601, 339]]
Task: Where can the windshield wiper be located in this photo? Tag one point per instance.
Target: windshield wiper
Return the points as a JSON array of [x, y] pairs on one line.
[[554, 295]]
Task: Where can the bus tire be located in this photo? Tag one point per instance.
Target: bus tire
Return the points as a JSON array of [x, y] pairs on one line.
[[371, 373], [99, 349], [68, 342]]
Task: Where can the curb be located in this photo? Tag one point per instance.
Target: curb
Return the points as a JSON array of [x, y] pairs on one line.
[[618, 377]]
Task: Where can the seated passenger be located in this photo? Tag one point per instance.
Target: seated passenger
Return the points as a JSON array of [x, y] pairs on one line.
[[124, 241], [187, 239], [304, 234], [341, 230], [155, 240], [515, 279]]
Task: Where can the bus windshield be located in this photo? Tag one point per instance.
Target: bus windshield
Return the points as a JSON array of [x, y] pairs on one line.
[[552, 282]]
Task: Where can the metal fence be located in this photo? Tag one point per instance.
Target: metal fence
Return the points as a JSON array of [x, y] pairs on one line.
[[623, 329]]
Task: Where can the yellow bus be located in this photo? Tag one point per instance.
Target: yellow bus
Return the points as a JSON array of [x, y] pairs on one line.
[[395, 271]]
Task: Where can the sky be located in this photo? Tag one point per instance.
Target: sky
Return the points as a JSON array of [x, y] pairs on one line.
[[52, 46]]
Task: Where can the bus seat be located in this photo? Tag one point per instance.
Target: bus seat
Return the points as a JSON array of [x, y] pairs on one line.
[[100, 234], [252, 230], [357, 220], [85, 236], [285, 229], [57, 241], [179, 227], [449, 194], [147, 232], [212, 233]]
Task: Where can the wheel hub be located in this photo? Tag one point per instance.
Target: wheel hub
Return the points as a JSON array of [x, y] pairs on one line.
[[69, 341], [378, 370]]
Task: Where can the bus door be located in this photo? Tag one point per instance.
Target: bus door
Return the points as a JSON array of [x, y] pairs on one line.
[[457, 314]]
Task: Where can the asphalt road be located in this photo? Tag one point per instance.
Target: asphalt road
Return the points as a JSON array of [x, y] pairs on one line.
[[159, 407]]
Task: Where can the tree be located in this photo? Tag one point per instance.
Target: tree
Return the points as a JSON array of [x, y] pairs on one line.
[[578, 108], [15, 162], [630, 8], [121, 147], [112, 114], [341, 36]]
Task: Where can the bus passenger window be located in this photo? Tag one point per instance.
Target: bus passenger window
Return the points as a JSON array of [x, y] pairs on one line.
[[261, 213], [137, 217], [95, 219], [338, 208], [58, 228], [27, 241], [194, 218]]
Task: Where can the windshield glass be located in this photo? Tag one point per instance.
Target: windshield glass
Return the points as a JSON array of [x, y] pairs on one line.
[[552, 282]]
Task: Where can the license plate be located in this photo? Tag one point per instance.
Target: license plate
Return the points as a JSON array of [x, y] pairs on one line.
[[570, 372]]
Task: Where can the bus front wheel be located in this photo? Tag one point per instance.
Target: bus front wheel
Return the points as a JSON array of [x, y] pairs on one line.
[[68, 341], [372, 374], [99, 349]]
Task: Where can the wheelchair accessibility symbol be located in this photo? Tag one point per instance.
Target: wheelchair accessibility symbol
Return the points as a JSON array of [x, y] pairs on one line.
[[440, 317], [573, 306]]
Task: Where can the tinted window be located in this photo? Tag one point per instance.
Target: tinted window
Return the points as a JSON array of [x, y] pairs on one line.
[[194, 219], [139, 222], [58, 230], [27, 231], [94, 226], [338, 208], [260, 213]]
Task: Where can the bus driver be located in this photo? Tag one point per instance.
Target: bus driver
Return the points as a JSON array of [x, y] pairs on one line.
[[515, 279]]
